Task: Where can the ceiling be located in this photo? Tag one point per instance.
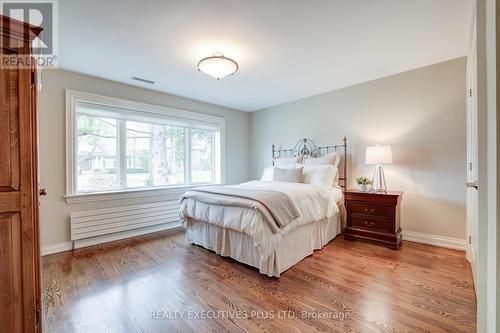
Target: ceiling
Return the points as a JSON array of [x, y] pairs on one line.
[[286, 49]]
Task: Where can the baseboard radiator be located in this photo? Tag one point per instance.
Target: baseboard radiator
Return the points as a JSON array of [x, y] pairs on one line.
[[109, 224]]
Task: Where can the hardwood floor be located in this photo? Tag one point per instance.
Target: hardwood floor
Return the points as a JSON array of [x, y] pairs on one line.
[[135, 285]]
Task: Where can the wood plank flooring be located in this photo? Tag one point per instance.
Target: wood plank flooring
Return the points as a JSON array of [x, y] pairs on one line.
[[161, 283]]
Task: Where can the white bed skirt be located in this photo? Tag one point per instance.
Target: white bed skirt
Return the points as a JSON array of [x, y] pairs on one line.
[[293, 247]]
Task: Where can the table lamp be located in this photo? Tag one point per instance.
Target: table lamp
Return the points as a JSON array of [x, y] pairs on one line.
[[378, 155]]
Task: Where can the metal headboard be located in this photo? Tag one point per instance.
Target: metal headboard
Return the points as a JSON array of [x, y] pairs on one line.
[[307, 147]]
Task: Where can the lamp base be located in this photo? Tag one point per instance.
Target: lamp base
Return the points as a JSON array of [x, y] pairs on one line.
[[378, 181]]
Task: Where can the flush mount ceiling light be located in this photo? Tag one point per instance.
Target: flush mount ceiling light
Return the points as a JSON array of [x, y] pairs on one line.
[[218, 66]]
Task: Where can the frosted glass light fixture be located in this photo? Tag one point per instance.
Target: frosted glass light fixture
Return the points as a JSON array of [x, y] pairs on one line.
[[218, 66], [378, 155]]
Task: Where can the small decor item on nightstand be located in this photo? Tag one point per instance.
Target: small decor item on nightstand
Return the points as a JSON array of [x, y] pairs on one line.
[[363, 183], [378, 155]]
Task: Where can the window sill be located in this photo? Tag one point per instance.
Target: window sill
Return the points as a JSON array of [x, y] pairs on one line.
[[129, 194]]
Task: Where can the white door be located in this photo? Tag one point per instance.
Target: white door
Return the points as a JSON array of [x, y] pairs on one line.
[[472, 158]]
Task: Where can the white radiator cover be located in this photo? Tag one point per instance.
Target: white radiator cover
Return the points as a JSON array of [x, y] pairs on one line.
[[102, 225]]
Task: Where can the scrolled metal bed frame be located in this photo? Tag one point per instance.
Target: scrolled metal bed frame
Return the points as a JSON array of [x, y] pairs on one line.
[[307, 147]]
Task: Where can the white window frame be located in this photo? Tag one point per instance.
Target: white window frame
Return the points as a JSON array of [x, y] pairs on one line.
[[74, 97]]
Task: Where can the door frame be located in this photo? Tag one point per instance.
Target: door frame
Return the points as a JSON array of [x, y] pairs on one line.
[[472, 161], [488, 260]]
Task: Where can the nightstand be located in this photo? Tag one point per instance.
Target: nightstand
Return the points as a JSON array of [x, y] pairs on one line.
[[374, 216]]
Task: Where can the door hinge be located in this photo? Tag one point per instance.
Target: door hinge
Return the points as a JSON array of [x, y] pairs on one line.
[[38, 314], [470, 239], [470, 92], [470, 166], [33, 78]]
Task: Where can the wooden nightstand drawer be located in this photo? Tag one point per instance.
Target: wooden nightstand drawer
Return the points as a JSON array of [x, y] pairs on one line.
[[370, 223], [370, 210]]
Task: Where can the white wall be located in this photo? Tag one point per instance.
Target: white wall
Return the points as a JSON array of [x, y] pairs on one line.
[[54, 212], [420, 113]]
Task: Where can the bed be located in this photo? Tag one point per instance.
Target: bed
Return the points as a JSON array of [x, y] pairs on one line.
[[272, 224]]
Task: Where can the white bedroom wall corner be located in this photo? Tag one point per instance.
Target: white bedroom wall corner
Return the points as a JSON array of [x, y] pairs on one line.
[[55, 209], [430, 146]]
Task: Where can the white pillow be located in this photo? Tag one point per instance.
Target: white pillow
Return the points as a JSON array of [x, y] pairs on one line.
[[320, 175], [286, 161], [331, 158], [268, 173], [288, 175], [338, 158]]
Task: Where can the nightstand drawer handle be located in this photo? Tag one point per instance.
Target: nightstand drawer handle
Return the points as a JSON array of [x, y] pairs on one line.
[[369, 223], [371, 211]]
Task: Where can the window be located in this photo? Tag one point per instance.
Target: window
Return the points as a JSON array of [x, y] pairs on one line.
[[155, 155], [97, 153], [202, 156], [117, 145]]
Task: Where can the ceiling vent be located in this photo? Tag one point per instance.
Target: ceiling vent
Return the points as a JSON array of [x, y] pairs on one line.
[[142, 80]]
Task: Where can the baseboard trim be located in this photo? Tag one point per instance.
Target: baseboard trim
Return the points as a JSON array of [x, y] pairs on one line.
[[442, 241], [57, 248], [412, 236], [68, 246], [78, 244]]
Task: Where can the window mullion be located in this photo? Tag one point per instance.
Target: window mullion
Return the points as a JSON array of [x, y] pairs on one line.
[[122, 154], [75, 153], [187, 156], [214, 157]]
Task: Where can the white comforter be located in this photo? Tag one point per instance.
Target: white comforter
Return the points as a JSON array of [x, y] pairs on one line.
[[314, 203]]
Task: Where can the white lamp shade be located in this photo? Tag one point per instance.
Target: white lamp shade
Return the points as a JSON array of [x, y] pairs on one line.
[[378, 155]]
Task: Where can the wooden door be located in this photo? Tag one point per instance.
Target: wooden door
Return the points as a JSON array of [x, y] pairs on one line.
[[19, 244]]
